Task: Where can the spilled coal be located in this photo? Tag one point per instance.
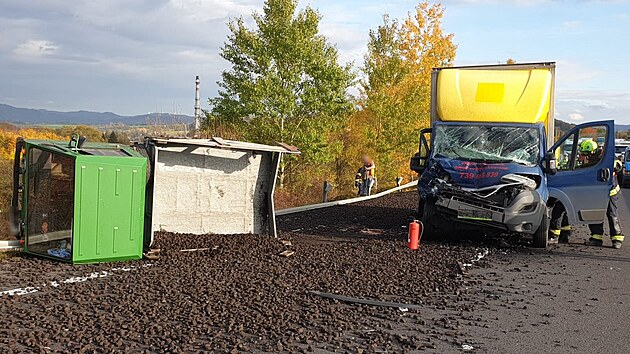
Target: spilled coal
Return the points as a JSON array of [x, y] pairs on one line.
[[237, 293]]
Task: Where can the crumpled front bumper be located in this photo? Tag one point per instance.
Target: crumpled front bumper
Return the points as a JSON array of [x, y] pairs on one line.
[[523, 215]]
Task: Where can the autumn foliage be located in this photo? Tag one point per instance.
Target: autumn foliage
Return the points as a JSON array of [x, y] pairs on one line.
[[285, 85], [395, 104], [8, 137]]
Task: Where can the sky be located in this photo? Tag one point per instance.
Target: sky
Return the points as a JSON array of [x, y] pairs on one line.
[[137, 56]]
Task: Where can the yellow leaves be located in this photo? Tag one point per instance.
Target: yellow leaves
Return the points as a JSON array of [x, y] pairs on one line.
[[423, 42], [8, 138], [401, 56]]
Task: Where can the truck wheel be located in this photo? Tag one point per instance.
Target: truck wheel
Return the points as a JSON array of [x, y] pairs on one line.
[[540, 236]]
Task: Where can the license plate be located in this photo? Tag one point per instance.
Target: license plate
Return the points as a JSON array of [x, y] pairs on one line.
[[483, 215]]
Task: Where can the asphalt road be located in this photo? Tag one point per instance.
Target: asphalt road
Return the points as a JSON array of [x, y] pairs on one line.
[[237, 293], [572, 298]]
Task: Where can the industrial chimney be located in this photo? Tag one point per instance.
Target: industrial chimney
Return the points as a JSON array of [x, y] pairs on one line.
[[197, 106]]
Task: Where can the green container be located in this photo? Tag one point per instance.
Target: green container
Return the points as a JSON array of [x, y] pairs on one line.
[[80, 205]]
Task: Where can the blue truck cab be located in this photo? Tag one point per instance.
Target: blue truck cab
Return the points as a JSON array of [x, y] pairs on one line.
[[489, 162]]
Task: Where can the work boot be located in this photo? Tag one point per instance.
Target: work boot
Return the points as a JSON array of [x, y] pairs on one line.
[[616, 244], [594, 242], [563, 239], [553, 240]]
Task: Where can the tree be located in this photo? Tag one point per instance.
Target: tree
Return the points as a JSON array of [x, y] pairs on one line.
[[397, 95], [113, 137], [285, 83], [91, 133], [121, 138], [510, 61]]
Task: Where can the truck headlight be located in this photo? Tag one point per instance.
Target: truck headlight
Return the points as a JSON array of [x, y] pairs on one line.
[[529, 207]]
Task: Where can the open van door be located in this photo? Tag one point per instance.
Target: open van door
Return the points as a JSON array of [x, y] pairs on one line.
[[584, 178]]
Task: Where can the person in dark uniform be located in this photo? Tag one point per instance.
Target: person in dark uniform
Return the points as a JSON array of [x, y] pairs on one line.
[[559, 227], [612, 213]]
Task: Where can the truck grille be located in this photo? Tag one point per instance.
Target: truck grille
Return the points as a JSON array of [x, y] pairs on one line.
[[477, 204]]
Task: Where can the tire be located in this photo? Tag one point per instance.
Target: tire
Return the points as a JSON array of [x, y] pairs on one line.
[[427, 218], [541, 235]]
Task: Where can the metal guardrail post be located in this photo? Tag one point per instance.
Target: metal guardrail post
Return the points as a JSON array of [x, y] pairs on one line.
[[327, 188]]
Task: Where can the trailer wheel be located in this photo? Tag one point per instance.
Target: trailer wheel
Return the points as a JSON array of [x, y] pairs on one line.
[[541, 235]]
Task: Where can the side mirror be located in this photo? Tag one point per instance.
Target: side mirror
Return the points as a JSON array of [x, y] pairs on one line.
[[549, 164], [420, 160], [418, 163]]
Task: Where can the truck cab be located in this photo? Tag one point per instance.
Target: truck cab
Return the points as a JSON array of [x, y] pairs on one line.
[[489, 162]]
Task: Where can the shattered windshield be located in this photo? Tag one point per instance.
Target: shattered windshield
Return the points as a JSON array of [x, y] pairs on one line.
[[486, 143]]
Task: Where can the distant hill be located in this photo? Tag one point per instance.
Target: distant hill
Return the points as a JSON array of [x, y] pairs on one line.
[[43, 116], [563, 126]]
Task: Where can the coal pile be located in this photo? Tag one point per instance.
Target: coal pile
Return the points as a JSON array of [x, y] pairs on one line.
[[237, 293]]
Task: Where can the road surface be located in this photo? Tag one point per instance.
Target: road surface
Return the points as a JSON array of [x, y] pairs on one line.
[[571, 299], [238, 293]]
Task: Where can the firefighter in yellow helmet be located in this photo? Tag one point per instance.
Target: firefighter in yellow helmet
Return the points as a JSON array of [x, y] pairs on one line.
[[589, 153], [559, 227], [612, 213]]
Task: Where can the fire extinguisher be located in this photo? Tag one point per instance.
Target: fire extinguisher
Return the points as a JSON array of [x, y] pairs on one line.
[[415, 234]]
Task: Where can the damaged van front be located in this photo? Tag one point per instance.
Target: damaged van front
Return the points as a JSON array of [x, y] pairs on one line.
[[485, 175], [488, 161]]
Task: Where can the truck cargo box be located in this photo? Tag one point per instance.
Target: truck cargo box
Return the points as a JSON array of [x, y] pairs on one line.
[[496, 93]]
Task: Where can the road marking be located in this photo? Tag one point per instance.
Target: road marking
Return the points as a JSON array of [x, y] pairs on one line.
[[73, 280]]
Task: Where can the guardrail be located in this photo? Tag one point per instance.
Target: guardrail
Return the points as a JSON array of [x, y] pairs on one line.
[[10, 245], [344, 201]]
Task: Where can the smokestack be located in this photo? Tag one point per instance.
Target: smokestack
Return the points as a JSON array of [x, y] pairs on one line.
[[197, 106]]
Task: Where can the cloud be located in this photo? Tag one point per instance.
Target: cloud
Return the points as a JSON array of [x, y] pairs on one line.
[[575, 116], [571, 24], [36, 48], [592, 104], [502, 2], [141, 55], [570, 72]]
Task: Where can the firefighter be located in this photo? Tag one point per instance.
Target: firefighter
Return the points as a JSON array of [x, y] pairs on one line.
[[612, 213], [367, 176], [559, 227], [589, 153], [358, 180]]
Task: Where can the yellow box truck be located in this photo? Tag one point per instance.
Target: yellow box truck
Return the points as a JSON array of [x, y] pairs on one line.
[[489, 163]]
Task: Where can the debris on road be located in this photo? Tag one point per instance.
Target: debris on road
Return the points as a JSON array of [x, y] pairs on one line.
[[370, 302], [372, 232], [230, 299], [214, 248], [287, 253]]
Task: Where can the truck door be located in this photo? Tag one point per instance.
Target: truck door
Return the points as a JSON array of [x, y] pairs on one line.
[[584, 178]]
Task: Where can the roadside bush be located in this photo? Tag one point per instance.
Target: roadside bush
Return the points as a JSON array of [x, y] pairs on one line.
[[8, 137]]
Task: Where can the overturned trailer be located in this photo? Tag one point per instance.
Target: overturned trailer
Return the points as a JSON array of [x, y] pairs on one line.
[[202, 186], [94, 202], [79, 202]]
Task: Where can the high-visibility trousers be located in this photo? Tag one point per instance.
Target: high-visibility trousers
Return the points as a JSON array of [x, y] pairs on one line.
[[612, 214], [559, 223]]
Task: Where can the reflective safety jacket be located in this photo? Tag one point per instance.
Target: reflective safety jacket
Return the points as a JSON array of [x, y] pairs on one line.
[[615, 186]]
